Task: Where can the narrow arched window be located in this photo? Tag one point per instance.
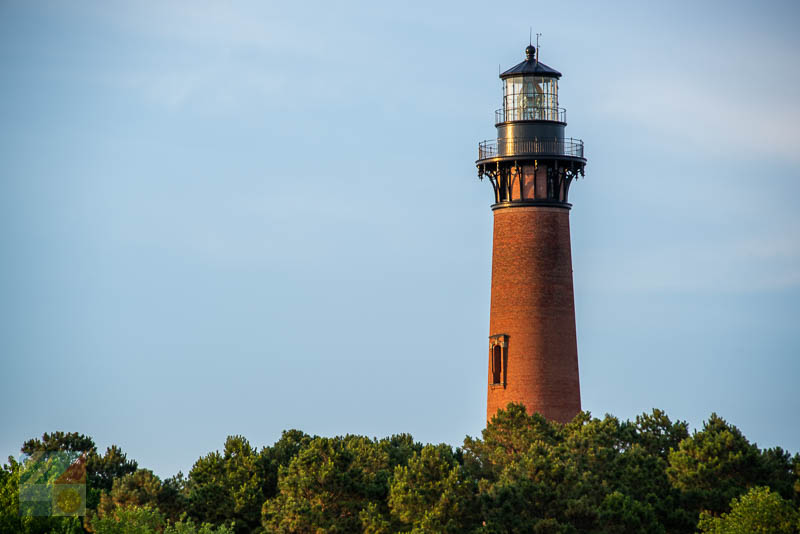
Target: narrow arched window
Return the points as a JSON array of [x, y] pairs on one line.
[[497, 364], [498, 360]]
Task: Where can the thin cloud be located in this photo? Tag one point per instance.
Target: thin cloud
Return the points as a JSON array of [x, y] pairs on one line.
[[718, 123], [768, 262], [734, 105]]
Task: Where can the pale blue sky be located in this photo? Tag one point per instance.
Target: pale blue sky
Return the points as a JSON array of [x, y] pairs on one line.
[[244, 217]]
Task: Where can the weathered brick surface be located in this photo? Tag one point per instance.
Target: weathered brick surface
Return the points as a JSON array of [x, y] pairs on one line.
[[533, 303]]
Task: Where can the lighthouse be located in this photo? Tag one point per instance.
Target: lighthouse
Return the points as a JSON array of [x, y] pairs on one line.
[[533, 352]]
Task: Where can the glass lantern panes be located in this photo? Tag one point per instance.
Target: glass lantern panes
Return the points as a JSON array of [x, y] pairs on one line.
[[530, 98]]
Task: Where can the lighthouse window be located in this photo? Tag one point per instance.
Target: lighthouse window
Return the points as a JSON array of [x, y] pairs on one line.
[[497, 364], [530, 98], [512, 98], [533, 100]]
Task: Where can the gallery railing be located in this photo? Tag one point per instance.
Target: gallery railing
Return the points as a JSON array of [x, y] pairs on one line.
[[530, 113], [530, 147]]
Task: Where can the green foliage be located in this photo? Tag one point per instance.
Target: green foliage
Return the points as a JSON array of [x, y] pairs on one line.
[[172, 497], [148, 520], [100, 470], [778, 472], [10, 519], [279, 455], [103, 470], [759, 511], [401, 447], [327, 485], [138, 489], [130, 520], [144, 489], [510, 432], [796, 469], [60, 441], [621, 514], [656, 433], [642, 470], [715, 465], [524, 474], [591, 475], [189, 527], [227, 488], [433, 494]]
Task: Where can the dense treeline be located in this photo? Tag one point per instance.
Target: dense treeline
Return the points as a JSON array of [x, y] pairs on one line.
[[525, 474]]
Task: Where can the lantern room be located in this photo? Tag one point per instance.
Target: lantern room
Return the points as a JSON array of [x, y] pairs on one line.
[[530, 92]]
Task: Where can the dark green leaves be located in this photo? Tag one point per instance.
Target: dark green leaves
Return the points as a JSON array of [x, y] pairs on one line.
[[525, 474]]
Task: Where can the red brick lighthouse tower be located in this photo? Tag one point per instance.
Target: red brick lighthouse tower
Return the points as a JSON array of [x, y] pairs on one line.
[[533, 353]]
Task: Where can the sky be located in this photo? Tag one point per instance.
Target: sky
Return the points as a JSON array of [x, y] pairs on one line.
[[224, 218]]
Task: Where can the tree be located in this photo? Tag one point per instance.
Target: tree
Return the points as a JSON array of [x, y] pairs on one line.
[[525, 474], [60, 441], [589, 475], [226, 489], [172, 497], [714, 465], [327, 486], [130, 520], [796, 464], [401, 447], [103, 470], [142, 489], [100, 470], [272, 459], [656, 433], [148, 520], [509, 433], [621, 514], [778, 472], [643, 464], [432, 494], [10, 519], [759, 511]]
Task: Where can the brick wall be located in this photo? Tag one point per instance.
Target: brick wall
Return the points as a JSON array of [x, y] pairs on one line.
[[533, 303]]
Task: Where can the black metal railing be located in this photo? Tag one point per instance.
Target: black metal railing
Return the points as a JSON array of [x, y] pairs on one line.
[[527, 113], [530, 147]]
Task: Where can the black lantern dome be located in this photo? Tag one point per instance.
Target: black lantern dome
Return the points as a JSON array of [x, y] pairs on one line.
[[531, 66]]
